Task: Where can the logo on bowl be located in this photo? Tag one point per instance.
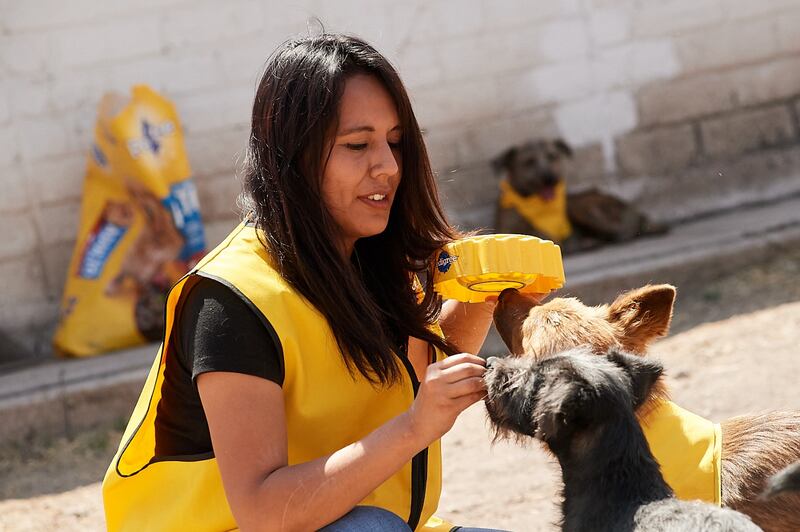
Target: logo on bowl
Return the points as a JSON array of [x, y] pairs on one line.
[[444, 261]]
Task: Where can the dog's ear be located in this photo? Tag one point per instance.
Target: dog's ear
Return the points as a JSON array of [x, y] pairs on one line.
[[562, 146], [504, 160], [642, 315], [644, 372]]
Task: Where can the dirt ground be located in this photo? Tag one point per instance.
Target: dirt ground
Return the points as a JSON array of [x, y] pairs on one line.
[[733, 349]]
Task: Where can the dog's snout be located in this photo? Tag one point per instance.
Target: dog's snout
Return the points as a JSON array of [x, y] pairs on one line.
[[491, 361], [550, 179], [505, 293]]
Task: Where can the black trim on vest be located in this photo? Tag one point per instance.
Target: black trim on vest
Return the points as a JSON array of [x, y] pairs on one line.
[[264, 321], [164, 343], [419, 464]]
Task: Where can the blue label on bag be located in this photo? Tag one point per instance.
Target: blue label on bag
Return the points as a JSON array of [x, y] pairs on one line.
[[102, 241], [182, 202]]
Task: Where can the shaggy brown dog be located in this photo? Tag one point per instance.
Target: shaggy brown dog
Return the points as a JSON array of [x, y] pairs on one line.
[[754, 447], [535, 171]]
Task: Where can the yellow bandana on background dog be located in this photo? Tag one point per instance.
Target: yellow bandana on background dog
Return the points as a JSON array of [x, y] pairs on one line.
[[689, 450], [547, 216]]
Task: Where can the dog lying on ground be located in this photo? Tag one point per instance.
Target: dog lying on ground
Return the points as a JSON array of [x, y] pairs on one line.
[[754, 447], [534, 201], [582, 407]]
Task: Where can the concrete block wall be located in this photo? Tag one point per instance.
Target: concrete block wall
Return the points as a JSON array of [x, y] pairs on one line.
[[683, 106]]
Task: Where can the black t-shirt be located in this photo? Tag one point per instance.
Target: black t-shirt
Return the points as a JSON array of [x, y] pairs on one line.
[[217, 329]]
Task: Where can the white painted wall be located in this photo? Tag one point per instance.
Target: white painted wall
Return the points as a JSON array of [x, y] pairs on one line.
[[483, 75]]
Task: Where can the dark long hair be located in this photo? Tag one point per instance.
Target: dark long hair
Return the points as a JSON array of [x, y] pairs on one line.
[[368, 301]]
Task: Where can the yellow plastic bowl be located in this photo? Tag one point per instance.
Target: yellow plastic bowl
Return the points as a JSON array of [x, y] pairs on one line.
[[474, 268]]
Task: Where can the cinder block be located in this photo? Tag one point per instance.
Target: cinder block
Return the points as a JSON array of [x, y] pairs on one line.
[[788, 33], [220, 152], [61, 134], [561, 40], [744, 131], [217, 109], [439, 21], [633, 64], [56, 265], [441, 143], [58, 223], [727, 45], [19, 237], [552, 83], [421, 65], [488, 53], [657, 152], [27, 97], [9, 146], [672, 17], [775, 80], [5, 113], [57, 180], [485, 141], [27, 16], [106, 43], [758, 176], [195, 24], [218, 197], [609, 25], [14, 196], [587, 168], [678, 100], [521, 13], [597, 118], [21, 280], [456, 103], [468, 189], [29, 53], [745, 9]]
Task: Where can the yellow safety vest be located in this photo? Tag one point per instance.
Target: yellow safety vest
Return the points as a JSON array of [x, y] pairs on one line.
[[689, 450], [547, 216], [326, 409]]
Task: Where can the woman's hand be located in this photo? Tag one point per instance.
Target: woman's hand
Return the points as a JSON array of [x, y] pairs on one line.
[[449, 387]]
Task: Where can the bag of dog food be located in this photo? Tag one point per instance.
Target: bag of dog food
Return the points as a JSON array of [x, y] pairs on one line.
[[140, 227]]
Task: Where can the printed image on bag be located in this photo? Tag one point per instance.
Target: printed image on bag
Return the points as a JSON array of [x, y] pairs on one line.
[[140, 228]]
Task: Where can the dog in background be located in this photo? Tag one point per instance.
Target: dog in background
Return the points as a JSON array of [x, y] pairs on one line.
[[754, 447], [582, 407], [534, 201]]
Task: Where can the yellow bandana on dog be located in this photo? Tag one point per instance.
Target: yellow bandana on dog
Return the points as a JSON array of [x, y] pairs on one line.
[[689, 450], [547, 216]]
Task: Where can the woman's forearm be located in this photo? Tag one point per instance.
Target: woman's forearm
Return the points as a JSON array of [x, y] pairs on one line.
[[310, 495], [466, 324]]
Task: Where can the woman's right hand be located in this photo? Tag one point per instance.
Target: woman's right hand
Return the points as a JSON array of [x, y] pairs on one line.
[[449, 387]]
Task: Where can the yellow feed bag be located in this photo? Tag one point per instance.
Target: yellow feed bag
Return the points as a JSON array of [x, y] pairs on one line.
[[140, 227]]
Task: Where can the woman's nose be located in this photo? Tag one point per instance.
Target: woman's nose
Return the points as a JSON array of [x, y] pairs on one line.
[[385, 162]]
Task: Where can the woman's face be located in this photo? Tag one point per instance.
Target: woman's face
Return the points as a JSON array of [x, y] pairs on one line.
[[362, 172]]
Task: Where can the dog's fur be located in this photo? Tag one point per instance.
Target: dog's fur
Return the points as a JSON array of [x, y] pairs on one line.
[[535, 168], [754, 447], [582, 407]]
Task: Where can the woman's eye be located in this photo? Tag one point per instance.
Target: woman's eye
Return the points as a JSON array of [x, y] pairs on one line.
[[356, 147]]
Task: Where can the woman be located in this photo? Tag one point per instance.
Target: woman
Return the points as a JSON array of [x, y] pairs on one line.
[[303, 381]]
